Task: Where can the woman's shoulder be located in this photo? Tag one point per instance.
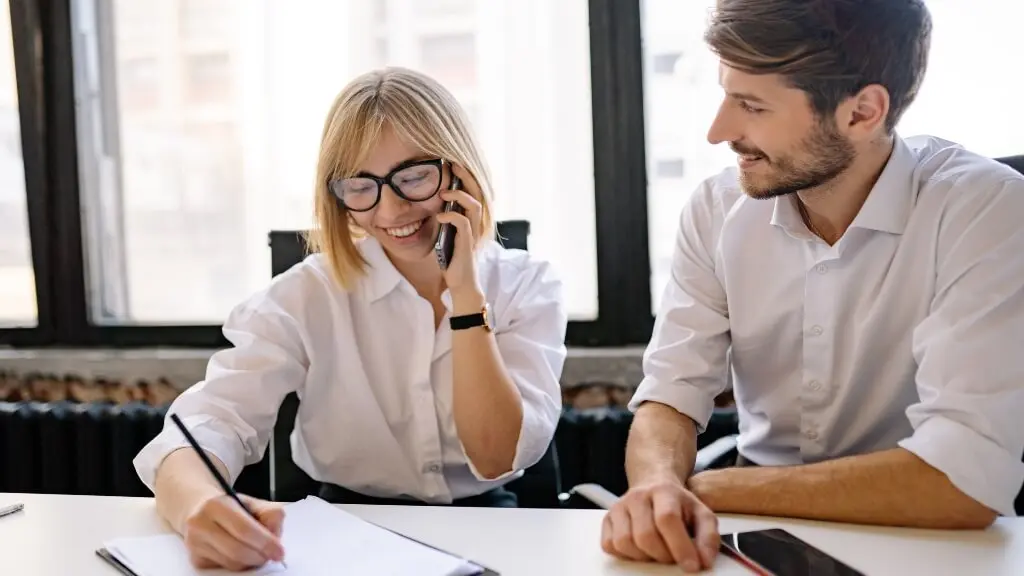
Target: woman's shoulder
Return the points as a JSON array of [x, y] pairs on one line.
[[292, 292], [511, 270]]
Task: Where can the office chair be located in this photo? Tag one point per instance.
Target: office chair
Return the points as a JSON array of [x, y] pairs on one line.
[[1017, 163], [538, 487]]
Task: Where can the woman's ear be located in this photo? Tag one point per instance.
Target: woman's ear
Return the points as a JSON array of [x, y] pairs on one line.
[[469, 183]]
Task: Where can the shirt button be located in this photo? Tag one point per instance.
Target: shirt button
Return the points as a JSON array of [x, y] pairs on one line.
[[814, 385], [817, 330], [434, 468], [822, 268], [811, 434]]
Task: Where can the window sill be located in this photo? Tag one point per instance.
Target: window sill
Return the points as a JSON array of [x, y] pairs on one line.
[[184, 367]]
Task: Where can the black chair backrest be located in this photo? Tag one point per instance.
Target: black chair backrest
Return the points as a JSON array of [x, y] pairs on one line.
[[540, 485], [288, 247], [1015, 162]]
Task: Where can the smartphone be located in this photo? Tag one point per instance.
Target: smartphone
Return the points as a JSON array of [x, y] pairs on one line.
[[776, 552], [444, 247]]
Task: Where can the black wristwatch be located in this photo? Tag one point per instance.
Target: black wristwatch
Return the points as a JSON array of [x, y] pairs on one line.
[[466, 321]]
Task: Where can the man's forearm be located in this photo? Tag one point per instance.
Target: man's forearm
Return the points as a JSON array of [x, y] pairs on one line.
[[662, 445], [891, 488]]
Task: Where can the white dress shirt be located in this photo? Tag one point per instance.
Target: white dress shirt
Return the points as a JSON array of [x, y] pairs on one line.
[[909, 331], [373, 376]]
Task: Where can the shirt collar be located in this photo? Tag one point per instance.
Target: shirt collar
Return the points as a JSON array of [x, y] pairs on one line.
[[887, 207], [891, 200], [382, 277], [786, 215]]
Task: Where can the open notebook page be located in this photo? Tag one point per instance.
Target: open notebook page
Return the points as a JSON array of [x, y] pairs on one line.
[[319, 539]]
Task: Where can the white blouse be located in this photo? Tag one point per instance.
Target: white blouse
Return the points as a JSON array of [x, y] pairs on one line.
[[373, 376]]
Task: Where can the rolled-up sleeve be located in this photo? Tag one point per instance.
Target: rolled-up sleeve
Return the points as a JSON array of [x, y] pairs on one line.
[[531, 341], [970, 375], [231, 413], [685, 364]]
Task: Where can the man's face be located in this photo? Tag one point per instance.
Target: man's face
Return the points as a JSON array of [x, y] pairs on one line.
[[783, 146]]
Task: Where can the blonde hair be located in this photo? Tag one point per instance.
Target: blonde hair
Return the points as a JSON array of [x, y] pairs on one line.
[[422, 113]]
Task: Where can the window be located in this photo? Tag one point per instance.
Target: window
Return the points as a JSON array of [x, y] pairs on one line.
[[436, 8], [451, 59], [670, 168], [194, 190], [665, 63], [381, 51], [968, 90], [208, 78], [681, 99], [140, 83], [205, 19], [163, 140], [965, 98], [17, 280]]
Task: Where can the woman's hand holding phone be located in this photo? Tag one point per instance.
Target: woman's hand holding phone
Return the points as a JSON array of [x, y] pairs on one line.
[[460, 275]]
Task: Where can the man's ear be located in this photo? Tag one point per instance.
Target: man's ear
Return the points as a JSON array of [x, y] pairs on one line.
[[863, 115]]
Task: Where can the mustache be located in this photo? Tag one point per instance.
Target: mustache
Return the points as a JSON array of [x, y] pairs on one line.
[[744, 151]]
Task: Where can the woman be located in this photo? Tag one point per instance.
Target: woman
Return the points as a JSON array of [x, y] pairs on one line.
[[417, 384]]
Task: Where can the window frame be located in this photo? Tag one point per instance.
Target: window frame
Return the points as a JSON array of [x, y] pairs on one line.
[[26, 24], [45, 77]]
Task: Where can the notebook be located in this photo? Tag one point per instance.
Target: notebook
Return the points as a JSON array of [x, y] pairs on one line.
[[319, 539]]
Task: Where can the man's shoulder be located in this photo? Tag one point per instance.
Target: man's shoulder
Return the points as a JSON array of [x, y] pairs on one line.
[[305, 284], [509, 270], [949, 165], [962, 192]]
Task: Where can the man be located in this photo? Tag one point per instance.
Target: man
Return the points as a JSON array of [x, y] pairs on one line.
[[865, 292]]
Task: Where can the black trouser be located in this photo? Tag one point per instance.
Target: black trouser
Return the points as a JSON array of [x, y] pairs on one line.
[[494, 498], [742, 461]]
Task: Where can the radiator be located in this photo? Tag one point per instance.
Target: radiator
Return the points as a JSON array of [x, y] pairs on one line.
[[592, 444], [70, 448]]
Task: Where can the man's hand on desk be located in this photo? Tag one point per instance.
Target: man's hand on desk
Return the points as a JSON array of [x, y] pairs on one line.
[[662, 521]]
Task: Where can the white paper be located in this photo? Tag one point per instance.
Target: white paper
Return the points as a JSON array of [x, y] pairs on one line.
[[319, 539], [165, 555]]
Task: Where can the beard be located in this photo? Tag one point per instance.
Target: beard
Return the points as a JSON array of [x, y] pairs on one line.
[[821, 156]]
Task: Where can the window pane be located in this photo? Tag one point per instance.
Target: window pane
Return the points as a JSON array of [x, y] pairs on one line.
[[682, 96], [17, 280], [217, 110], [968, 95]]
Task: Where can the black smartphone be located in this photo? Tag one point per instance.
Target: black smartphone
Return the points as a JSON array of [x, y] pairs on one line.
[[444, 247], [776, 552]]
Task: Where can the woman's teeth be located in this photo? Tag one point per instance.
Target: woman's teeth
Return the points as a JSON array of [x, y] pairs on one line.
[[407, 230]]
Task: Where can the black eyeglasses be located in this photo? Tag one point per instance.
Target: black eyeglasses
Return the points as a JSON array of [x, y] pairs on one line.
[[413, 181]]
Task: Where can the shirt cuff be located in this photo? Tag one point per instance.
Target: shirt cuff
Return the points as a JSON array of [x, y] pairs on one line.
[[686, 399], [974, 464], [226, 447]]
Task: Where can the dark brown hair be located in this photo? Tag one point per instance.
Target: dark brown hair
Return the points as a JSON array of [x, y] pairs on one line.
[[830, 49]]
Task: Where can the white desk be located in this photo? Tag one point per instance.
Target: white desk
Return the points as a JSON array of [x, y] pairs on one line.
[[58, 536]]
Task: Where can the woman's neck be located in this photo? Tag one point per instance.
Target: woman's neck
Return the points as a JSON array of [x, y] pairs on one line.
[[424, 275]]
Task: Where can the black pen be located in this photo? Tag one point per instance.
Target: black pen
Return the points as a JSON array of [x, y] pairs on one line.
[[213, 469], [13, 508]]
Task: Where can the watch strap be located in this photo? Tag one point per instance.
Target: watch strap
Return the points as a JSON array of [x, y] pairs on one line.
[[467, 321]]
